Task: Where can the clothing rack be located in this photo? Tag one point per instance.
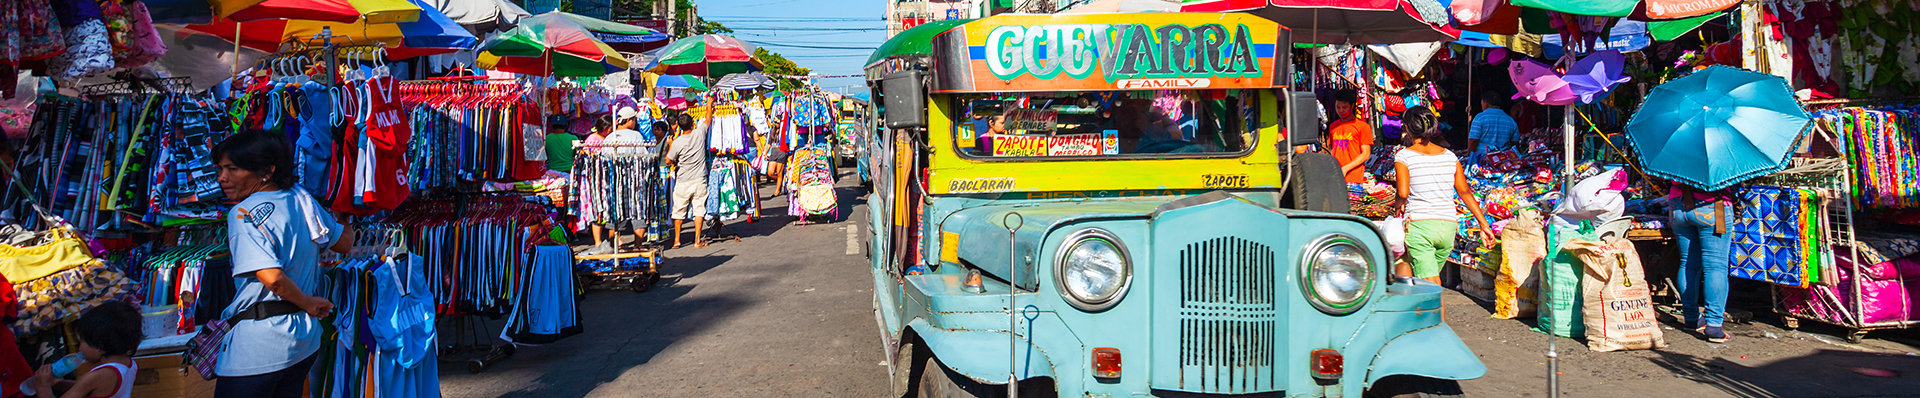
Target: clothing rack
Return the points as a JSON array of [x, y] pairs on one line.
[[140, 86]]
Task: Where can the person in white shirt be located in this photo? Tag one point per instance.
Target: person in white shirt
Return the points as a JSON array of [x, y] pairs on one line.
[[1430, 180]]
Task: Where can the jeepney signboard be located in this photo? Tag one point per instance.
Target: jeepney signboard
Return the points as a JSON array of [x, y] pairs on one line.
[[1159, 51], [1020, 145]]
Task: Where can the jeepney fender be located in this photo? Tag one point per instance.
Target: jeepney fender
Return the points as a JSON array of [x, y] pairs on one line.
[[1433, 351], [983, 355]]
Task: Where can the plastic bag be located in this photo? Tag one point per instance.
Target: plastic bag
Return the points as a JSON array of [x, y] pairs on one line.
[[1596, 199], [1619, 306], [1394, 230], [1516, 287]]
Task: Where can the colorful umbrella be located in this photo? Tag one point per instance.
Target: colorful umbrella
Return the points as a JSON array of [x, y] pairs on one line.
[[433, 30], [556, 44], [1346, 21], [681, 81], [916, 41], [1124, 6], [342, 11], [1640, 9], [746, 81], [1717, 127], [706, 55]]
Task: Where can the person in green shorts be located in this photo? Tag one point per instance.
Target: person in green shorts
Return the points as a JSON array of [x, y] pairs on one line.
[[1430, 180]]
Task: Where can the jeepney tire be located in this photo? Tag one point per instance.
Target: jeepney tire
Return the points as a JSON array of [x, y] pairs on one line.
[[905, 377], [936, 381], [1404, 386]]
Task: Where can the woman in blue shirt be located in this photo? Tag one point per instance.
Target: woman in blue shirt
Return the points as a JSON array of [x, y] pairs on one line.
[[274, 233]]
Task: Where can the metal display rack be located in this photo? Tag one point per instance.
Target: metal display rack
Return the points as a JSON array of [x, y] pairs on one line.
[[1837, 226]]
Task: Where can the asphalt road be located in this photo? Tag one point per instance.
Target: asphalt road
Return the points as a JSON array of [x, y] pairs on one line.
[[784, 312]]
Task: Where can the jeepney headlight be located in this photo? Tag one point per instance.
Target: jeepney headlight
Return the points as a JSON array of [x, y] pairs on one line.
[[1092, 269], [1337, 274]]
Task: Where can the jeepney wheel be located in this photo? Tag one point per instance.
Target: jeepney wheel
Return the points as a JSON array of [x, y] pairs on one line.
[[1790, 322], [936, 381], [1403, 386], [903, 375], [1856, 335]]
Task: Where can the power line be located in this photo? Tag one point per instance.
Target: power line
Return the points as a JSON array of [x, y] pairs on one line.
[[818, 47], [796, 20], [780, 17]]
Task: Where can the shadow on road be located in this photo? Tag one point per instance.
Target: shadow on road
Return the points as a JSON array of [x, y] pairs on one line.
[[1822, 373]]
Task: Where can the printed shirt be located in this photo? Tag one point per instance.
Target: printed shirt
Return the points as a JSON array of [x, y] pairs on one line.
[[267, 231], [1345, 142]]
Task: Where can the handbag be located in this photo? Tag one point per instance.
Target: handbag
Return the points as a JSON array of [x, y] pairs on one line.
[[203, 352]]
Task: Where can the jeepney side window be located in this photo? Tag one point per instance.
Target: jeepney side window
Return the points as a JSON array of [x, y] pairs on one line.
[[1106, 124]]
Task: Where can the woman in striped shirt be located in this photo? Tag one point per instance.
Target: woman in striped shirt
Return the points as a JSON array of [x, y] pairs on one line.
[[1430, 178]]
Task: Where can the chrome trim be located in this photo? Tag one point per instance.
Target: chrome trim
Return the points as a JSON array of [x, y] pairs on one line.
[[1321, 244], [1060, 269]]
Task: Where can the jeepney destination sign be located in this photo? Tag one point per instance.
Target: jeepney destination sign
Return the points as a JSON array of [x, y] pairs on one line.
[[1112, 52]]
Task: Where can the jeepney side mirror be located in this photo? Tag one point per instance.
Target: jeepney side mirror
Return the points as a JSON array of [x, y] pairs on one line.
[[1303, 120], [905, 99]]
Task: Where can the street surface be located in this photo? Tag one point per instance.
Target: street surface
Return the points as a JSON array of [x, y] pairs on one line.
[[786, 312]]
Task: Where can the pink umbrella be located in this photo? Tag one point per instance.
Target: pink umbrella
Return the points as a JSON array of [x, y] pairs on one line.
[[1539, 83], [1346, 21]]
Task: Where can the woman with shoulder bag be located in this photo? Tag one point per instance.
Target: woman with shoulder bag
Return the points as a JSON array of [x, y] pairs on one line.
[[274, 233]]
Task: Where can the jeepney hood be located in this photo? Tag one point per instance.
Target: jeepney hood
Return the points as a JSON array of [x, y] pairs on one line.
[[978, 235]]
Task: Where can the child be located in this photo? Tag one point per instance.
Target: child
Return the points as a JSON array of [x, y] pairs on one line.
[[108, 336]]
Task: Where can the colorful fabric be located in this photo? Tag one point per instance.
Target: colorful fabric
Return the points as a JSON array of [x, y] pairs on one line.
[[1767, 236]]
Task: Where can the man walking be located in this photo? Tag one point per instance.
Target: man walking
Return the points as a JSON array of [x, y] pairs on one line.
[[688, 151]]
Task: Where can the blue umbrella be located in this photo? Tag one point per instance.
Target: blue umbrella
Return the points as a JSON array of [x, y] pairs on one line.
[[1718, 127], [681, 81]]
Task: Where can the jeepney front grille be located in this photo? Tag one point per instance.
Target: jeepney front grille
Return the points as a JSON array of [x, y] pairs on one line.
[[1227, 316]]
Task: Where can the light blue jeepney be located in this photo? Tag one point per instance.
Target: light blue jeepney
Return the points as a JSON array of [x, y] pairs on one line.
[[1142, 253]]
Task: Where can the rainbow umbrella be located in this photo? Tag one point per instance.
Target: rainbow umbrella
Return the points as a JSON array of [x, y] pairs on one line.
[[556, 44], [342, 11], [432, 32], [681, 81], [706, 55]]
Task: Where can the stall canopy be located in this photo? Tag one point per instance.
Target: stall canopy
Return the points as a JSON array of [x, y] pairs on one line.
[[481, 16], [342, 11], [556, 44], [1345, 21], [1639, 9], [706, 55], [915, 41], [1627, 36]]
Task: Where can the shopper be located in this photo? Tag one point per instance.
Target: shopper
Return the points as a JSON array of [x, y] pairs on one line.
[[689, 155], [1700, 227], [560, 145], [1349, 139], [274, 233], [109, 334], [1492, 129], [1430, 180]]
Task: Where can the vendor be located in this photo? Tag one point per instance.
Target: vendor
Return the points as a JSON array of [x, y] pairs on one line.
[[274, 233], [1492, 129], [560, 145], [1349, 139]]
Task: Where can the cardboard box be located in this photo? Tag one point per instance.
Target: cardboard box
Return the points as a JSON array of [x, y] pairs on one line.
[[161, 376]]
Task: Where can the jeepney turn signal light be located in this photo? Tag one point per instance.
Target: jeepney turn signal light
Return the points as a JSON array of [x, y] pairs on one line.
[[973, 283], [1106, 363], [1327, 364]]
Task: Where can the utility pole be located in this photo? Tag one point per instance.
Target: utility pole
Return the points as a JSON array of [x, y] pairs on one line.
[[672, 16]]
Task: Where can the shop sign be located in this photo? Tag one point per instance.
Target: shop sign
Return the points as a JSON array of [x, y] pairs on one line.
[[1112, 51], [1007, 145], [1224, 180], [1074, 145]]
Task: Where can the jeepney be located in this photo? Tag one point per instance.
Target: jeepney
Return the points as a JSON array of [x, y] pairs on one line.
[[1098, 205]]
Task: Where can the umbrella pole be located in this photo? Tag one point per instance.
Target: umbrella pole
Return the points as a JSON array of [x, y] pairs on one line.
[[235, 68], [1566, 189]]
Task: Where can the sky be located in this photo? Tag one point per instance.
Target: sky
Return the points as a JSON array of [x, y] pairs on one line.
[[832, 37]]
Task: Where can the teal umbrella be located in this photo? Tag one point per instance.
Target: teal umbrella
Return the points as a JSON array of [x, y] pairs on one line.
[[681, 81], [1718, 127]]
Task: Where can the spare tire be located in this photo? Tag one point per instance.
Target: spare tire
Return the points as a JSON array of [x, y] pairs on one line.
[[1315, 183]]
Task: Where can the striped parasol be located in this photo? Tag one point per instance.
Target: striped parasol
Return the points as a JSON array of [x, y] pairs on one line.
[[746, 81]]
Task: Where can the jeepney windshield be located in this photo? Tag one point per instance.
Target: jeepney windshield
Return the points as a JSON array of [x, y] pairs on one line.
[[1070, 125]]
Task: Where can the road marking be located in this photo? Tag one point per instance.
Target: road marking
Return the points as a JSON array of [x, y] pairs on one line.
[[853, 239]]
